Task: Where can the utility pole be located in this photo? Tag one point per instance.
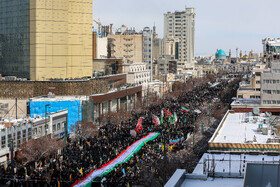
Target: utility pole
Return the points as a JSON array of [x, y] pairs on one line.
[[193, 128], [46, 119], [209, 114], [12, 150], [16, 108]]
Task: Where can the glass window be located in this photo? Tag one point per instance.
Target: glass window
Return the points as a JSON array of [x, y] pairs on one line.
[[268, 102], [58, 126], [54, 128], [35, 131], [3, 141]]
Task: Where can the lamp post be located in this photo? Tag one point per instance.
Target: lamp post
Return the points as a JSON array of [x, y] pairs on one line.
[[46, 118], [12, 150]]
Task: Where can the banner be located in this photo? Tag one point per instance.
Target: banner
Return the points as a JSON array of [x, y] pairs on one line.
[[121, 158]]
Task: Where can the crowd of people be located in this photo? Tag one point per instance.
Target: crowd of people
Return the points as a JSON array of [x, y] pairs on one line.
[[82, 155]]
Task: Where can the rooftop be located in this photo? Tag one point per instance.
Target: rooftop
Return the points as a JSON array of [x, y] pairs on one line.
[[58, 98], [221, 169], [243, 128]]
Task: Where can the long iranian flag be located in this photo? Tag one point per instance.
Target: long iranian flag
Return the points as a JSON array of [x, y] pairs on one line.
[[121, 158]]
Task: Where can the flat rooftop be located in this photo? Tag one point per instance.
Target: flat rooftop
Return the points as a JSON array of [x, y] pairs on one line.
[[58, 98], [246, 132], [246, 102], [241, 128]]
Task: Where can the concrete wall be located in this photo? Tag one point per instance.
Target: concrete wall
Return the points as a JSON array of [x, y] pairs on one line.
[[29, 89], [101, 47], [11, 108]]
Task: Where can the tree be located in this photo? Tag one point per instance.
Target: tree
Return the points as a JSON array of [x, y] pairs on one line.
[[85, 129], [37, 149]]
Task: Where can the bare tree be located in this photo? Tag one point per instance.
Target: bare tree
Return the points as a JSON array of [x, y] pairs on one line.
[[36, 149]]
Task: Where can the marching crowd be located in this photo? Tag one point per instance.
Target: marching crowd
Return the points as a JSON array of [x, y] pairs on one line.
[[83, 155]]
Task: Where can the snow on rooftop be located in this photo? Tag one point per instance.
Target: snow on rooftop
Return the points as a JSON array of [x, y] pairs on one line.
[[58, 98], [235, 129]]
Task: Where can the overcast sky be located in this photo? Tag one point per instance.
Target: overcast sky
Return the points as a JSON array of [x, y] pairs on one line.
[[223, 24]]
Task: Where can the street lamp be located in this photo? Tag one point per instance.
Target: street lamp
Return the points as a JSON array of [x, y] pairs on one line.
[[46, 118]]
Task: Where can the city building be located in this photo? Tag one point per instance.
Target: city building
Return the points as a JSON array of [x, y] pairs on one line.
[[137, 74], [270, 85], [252, 88], [126, 97], [262, 92], [181, 25], [40, 106], [167, 64], [127, 44], [41, 40], [252, 131], [171, 47], [147, 47], [271, 49], [101, 47], [107, 66], [243, 151], [25, 129]]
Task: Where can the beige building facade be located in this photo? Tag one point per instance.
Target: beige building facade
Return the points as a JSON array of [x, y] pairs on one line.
[[128, 47], [60, 39], [57, 38]]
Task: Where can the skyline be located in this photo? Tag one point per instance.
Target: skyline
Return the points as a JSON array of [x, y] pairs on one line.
[[219, 25]]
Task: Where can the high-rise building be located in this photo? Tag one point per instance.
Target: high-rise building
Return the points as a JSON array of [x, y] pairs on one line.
[[147, 47], [181, 25], [41, 39]]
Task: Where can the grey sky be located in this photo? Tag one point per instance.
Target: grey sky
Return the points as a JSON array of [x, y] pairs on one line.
[[224, 24]]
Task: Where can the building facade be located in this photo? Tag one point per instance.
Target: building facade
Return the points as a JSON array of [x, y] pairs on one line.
[[270, 87], [147, 47], [181, 25], [127, 45], [26, 129], [40, 40], [271, 49], [137, 73]]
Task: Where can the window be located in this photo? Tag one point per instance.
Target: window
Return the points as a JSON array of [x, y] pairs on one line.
[[3, 141], [54, 128], [278, 102], [264, 101], [258, 82], [40, 131], [274, 92], [268, 102], [35, 131], [29, 134], [58, 126], [273, 102]]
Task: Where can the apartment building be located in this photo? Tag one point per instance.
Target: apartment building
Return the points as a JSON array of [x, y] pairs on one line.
[[181, 25]]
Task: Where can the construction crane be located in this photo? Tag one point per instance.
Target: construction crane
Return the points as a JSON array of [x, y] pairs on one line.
[[99, 25]]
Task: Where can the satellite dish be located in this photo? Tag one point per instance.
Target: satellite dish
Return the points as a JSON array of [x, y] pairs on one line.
[[256, 111]]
